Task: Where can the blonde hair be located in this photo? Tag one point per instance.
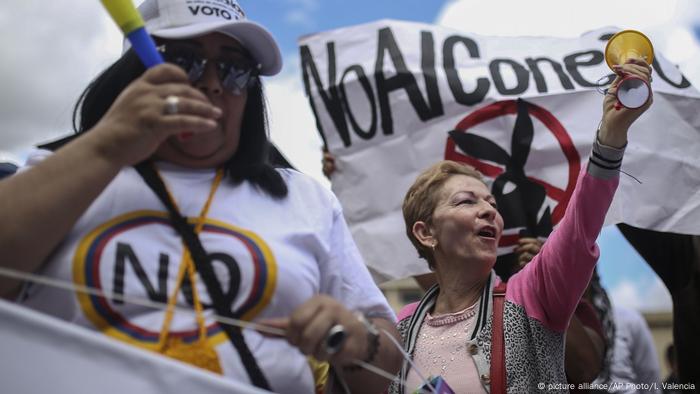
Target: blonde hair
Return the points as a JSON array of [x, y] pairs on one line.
[[423, 196]]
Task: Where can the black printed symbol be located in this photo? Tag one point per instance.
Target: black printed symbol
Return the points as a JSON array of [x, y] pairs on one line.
[[525, 201], [519, 199]]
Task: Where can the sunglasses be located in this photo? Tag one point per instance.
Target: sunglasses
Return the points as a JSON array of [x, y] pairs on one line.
[[235, 75]]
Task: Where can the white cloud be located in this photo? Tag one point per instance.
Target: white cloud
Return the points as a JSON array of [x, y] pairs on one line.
[[292, 125], [50, 51], [299, 18], [625, 294], [310, 5], [301, 13], [647, 295], [552, 17], [11, 158]]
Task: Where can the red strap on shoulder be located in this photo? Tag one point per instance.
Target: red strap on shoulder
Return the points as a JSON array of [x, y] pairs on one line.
[[498, 356]]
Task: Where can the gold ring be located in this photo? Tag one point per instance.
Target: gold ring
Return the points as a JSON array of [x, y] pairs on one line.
[[335, 339]]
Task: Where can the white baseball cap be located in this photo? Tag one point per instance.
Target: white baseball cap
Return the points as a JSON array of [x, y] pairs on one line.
[[179, 19]]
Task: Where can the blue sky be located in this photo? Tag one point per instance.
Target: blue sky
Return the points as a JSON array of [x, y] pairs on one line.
[[627, 277], [290, 19]]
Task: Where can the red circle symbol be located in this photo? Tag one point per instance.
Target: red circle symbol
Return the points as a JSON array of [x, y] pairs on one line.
[[510, 107]]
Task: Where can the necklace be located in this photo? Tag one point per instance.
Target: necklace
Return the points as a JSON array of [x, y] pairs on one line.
[[200, 353], [451, 318]]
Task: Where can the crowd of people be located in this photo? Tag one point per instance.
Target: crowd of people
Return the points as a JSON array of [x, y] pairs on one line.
[[171, 175]]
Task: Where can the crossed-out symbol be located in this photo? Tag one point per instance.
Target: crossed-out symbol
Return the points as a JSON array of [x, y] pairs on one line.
[[520, 205]]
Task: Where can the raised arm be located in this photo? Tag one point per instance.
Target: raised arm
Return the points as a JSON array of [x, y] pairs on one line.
[[552, 284], [617, 119]]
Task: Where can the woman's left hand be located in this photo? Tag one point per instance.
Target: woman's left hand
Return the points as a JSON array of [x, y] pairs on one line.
[[328, 164], [527, 249], [308, 326], [616, 118]]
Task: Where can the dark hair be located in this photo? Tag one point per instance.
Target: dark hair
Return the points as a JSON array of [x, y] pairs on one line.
[[601, 303], [250, 162]]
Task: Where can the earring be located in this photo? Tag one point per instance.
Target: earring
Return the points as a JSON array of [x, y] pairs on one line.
[[433, 246]]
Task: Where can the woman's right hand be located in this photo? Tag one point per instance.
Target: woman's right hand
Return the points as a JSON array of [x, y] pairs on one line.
[[136, 124], [328, 164], [527, 249]]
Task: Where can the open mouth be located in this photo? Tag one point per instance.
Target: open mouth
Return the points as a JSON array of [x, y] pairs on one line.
[[488, 232]]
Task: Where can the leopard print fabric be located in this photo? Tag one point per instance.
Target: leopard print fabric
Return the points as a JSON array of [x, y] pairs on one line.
[[402, 327], [534, 354]]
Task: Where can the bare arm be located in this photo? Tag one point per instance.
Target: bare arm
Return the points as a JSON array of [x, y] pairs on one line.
[[308, 327], [44, 202], [388, 359]]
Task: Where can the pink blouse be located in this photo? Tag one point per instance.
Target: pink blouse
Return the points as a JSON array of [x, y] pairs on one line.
[[441, 349]]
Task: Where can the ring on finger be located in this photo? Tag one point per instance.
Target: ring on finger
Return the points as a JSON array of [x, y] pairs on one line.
[[171, 105], [335, 339]]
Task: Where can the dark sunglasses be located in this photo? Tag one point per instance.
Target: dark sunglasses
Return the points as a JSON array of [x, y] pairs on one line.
[[235, 75]]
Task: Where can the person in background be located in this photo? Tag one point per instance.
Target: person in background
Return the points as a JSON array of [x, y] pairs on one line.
[[598, 298], [184, 146], [634, 357]]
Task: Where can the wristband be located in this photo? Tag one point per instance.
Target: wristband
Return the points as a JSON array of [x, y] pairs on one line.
[[372, 341]]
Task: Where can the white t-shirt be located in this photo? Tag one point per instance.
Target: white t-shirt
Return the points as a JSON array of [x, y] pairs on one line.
[[634, 358], [285, 251]]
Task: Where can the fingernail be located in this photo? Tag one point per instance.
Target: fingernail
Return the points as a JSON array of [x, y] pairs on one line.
[[217, 111], [185, 136]]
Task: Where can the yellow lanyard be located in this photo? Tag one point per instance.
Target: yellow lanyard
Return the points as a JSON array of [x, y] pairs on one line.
[[199, 353]]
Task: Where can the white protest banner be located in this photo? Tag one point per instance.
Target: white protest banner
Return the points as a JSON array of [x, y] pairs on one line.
[[523, 110], [42, 354]]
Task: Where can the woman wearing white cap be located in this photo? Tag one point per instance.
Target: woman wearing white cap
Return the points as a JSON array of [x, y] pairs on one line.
[[263, 244]]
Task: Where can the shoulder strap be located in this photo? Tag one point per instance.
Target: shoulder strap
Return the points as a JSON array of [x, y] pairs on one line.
[[498, 359], [55, 144], [206, 271]]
